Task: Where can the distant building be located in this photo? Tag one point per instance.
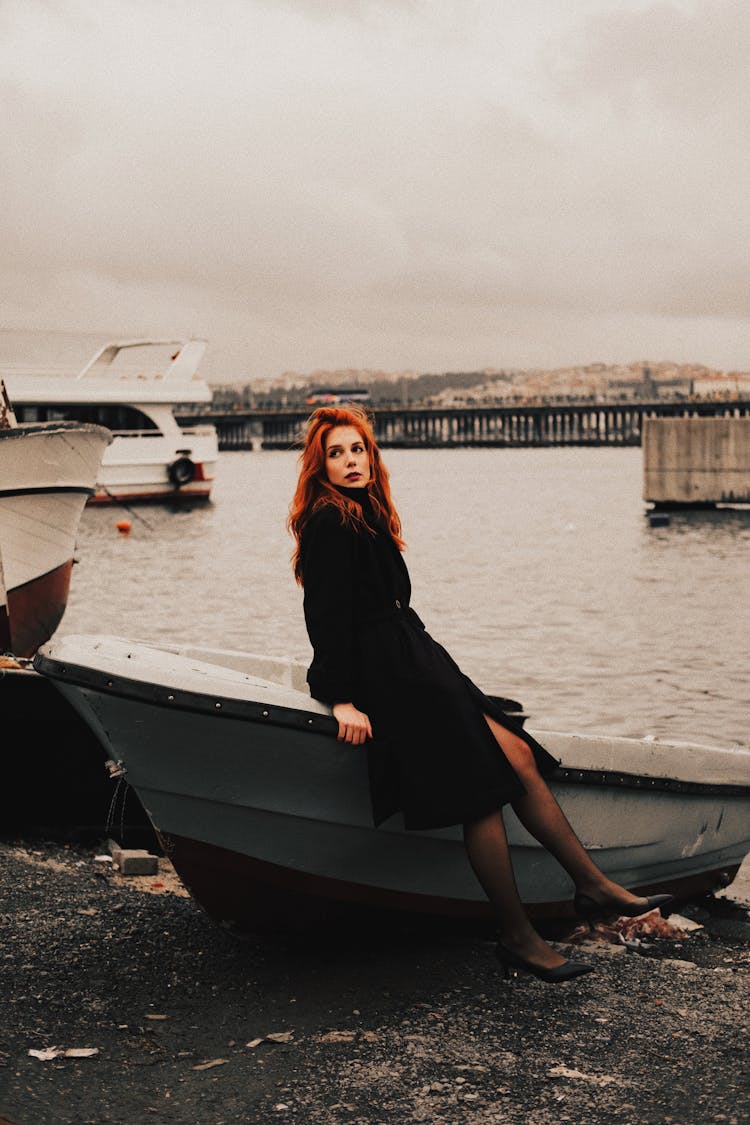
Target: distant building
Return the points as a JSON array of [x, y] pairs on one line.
[[335, 396]]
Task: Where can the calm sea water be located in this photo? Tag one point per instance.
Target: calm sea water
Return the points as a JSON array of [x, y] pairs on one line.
[[537, 569]]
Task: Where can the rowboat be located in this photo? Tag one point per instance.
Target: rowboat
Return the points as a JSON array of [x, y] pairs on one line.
[[56, 785], [47, 473], [266, 816]]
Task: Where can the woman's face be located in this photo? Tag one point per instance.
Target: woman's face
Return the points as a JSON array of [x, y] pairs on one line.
[[347, 461]]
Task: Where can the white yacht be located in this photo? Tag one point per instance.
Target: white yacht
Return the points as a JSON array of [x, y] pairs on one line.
[[132, 388]]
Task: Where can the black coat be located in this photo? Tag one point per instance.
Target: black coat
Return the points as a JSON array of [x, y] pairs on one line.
[[433, 755]]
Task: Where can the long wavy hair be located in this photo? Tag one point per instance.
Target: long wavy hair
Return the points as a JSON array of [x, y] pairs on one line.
[[315, 491]]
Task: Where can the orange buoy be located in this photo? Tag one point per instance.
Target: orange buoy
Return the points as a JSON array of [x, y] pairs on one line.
[[123, 526]]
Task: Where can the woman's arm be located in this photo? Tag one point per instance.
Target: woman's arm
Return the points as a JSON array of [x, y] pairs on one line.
[[328, 560], [328, 570]]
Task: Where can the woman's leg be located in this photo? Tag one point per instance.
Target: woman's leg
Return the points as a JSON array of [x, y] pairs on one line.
[[541, 815], [489, 855]]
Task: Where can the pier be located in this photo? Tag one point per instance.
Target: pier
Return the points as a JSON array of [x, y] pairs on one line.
[[696, 462], [423, 427]]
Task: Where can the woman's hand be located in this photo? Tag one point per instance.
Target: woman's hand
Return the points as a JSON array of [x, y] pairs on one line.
[[354, 725]]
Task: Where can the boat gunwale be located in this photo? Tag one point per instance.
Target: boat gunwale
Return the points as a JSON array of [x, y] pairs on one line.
[[23, 429], [50, 429], [265, 714]]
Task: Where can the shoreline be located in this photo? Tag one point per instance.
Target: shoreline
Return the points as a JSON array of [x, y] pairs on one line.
[[190, 1022]]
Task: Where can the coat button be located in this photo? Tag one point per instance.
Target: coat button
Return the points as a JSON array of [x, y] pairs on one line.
[[398, 604]]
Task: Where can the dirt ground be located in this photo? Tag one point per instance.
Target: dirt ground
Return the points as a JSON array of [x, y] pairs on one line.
[[181, 1021]]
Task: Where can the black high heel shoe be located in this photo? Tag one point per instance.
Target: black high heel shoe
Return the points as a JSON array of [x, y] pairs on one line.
[[592, 911], [567, 971]]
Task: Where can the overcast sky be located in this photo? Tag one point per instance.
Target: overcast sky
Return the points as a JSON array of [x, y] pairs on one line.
[[444, 185]]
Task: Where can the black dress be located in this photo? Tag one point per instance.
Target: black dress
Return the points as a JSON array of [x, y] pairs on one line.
[[433, 755]]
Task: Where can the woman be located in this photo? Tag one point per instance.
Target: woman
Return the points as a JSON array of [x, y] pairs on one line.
[[447, 753]]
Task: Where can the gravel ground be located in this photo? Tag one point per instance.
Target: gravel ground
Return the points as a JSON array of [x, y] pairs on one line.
[[193, 1024]]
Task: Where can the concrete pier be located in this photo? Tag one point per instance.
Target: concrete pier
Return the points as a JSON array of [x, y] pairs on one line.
[[696, 461], [425, 427]]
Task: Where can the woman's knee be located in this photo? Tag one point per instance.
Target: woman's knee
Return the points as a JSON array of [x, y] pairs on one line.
[[516, 750], [523, 760]]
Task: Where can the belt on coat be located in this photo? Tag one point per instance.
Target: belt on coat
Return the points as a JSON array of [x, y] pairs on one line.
[[404, 612]]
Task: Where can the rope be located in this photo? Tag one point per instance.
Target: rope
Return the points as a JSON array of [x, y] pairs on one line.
[[128, 509]]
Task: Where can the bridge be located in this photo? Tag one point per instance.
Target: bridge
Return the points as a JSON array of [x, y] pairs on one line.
[[424, 427]]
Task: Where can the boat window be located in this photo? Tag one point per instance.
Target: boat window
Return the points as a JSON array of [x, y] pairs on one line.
[[117, 418]]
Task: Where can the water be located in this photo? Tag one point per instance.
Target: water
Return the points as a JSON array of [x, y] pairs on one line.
[[537, 569]]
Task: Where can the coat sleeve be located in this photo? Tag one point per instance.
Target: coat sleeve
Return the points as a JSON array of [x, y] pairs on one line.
[[328, 560]]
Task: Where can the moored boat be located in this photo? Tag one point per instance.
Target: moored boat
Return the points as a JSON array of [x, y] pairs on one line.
[[266, 816], [55, 783], [134, 388], [48, 472]]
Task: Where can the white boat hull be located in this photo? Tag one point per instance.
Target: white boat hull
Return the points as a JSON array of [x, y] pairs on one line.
[[47, 474], [261, 809], [137, 468]]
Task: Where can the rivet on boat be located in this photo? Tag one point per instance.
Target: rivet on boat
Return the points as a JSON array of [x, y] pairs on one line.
[[170, 699], [265, 714], [217, 705]]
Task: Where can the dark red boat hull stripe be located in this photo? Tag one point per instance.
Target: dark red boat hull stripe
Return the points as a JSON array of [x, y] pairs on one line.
[[36, 609], [254, 894]]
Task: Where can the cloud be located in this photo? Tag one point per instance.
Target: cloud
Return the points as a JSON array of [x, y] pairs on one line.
[[379, 183]]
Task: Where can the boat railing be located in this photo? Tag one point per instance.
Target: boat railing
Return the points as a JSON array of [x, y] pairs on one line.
[[138, 433], [202, 429], [181, 364], [113, 361]]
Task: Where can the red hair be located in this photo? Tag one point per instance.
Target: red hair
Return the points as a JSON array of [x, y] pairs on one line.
[[314, 490]]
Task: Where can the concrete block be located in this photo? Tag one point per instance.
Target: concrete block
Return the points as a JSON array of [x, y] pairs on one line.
[[700, 461], [136, 861]]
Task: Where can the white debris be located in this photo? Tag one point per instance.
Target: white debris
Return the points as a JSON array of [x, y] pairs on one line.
[[682, 923], [338, 1037], [209, 1065], [64, 1052], [567, 1072]]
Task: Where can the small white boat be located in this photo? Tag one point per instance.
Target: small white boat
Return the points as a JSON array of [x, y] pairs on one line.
[[133, 388], [47, 473], [266, 816]]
